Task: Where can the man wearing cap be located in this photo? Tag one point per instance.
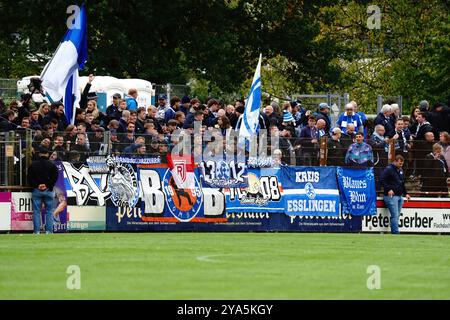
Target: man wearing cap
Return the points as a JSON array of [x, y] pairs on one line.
[[42, 177], [322, 113], [112, 112], [161, 108], [131, 100], [185, 105]]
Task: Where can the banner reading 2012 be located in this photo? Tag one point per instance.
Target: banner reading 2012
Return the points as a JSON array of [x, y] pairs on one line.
[[357, 188], [310, 191]]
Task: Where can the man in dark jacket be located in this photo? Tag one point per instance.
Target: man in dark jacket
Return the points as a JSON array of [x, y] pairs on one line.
[[393, 180], [440, 118], [335, 150], [58, 114], [42, 177], [323, 113]]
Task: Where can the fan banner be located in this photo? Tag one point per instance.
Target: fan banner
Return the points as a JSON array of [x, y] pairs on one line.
[[357, 189], [310, 191]]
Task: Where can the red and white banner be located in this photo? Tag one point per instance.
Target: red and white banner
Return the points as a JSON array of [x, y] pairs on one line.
[[182, 169]]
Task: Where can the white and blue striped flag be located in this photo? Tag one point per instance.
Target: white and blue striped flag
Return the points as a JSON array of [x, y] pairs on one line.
[[60, 75], [250, 120]]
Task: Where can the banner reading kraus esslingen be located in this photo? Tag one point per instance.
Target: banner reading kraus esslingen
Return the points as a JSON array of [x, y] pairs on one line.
[[310, 191], [357, 189]]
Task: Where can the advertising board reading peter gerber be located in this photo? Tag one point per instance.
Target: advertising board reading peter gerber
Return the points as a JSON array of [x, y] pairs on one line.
[[225, 309]]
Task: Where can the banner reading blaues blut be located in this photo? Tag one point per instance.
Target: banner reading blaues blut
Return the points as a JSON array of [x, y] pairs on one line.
[[357, 188], [310, 191]]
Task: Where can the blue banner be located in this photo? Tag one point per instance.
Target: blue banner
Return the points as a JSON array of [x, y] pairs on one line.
[[263, 194], [310, 191], [357, 189]]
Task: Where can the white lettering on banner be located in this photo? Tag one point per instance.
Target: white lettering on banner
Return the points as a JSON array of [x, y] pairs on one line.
[[311, 205], [128, 212], [342, 216], [248, 215], [354, 184], [357, 197], [84, 186], [307, 176], [153, 196], [214, 202]]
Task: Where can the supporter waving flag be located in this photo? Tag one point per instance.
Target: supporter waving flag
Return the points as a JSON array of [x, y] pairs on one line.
[[250, 121], [60, 75]]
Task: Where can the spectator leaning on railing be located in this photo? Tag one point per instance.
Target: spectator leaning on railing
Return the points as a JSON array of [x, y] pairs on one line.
[[360, 153]]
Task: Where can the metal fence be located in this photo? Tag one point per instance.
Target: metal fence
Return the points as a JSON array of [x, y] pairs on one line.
[[8, 89], [336, 102], [15, 157], [171, 90]]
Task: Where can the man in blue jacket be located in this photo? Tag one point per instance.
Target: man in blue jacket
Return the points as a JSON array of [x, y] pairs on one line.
[[393, 180]]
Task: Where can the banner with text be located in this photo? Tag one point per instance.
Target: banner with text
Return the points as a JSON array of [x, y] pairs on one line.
[[310, 191], [357, 189], [263, 194]]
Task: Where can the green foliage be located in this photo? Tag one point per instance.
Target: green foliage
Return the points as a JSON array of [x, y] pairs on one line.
[[307, 46], [215, 42], [408, 56]]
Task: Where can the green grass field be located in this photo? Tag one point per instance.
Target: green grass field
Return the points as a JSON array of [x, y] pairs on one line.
[[224, 266]]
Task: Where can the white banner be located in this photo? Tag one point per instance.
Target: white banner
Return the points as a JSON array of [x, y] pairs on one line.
[[423, 220]]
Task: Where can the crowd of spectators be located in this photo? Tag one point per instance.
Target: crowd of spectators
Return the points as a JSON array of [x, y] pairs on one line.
[[422, 138]]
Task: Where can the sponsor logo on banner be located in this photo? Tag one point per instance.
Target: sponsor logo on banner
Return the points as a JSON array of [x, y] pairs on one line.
[[86, 218], [419, 215], [21, 211], [310, 191], [122, 183], [341, 223]]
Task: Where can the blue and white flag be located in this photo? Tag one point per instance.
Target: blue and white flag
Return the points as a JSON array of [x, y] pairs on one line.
[[357, 188], [310, 191], [250, 121], [60, 75]]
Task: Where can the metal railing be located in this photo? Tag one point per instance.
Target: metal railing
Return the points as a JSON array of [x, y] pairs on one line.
[[17, 152]]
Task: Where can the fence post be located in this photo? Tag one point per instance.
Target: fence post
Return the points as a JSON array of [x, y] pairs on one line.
[[379, 103], [346, 99], [323, 151], [10, 157], [28, 152], [391, 150], [107, 142]]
